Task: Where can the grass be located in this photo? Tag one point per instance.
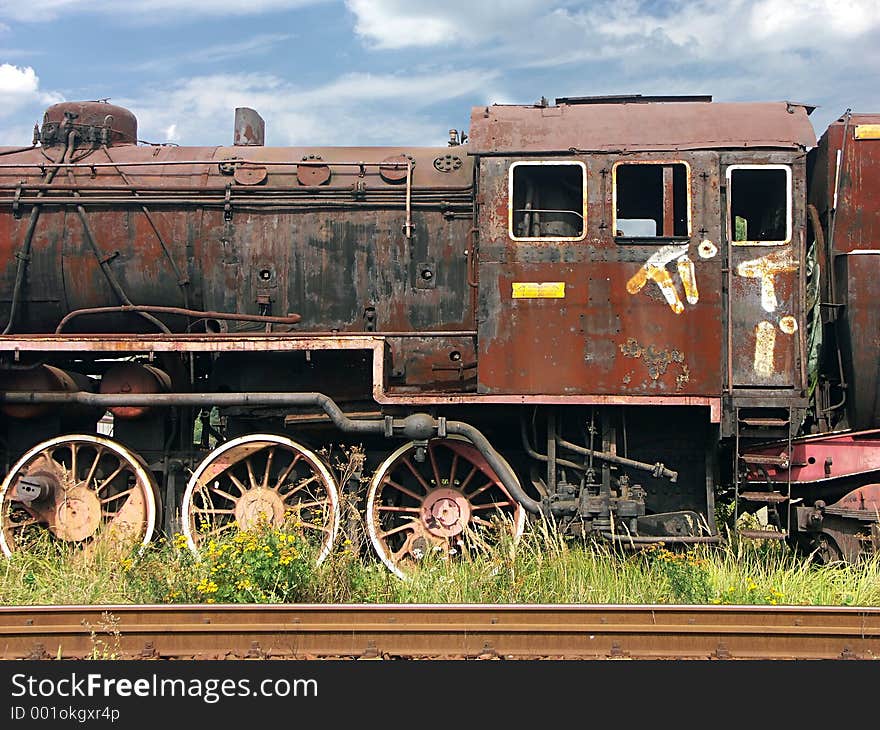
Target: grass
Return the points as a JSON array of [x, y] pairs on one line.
[[272, 565]]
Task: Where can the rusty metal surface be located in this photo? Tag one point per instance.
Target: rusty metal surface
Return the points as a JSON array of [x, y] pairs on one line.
[[636, 317], [629, 127], [442, 631], [846, 193], [250, 128], [328, 251], [823, 458]]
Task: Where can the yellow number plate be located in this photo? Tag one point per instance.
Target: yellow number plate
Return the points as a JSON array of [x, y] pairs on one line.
[[539, 290], [868, 131]]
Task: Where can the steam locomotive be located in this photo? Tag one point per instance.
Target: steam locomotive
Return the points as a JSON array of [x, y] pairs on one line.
[[609, 311]]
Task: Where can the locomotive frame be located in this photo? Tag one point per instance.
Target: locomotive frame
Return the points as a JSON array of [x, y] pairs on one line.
[[608, 311]]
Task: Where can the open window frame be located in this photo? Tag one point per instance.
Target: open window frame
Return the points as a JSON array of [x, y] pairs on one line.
[[732, 205], [543, 168], [670, 192]]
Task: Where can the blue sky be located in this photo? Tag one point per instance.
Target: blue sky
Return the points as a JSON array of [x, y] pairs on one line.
[[364, 72]]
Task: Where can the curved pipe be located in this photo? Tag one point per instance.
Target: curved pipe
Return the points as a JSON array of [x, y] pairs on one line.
[[289, 319]]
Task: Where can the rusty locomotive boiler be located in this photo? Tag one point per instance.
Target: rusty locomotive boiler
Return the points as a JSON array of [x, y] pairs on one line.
[[611, 311]]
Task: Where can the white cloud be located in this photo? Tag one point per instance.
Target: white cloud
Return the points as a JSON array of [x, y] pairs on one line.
[[20, 88], [354, 109], [51, 9], [392, 24]]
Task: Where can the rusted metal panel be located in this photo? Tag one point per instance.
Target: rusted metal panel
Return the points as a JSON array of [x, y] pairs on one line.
[[208, 242], [766, 319], [638, 317], [629, 127], [845, 190]]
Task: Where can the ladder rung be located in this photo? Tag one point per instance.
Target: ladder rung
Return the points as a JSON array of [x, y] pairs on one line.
[[781, 460], [768, 422], [762, 534], [770, 497]]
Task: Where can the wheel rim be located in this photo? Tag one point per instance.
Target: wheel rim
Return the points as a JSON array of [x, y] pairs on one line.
[[78, 488], [449, 502], [261, 479]]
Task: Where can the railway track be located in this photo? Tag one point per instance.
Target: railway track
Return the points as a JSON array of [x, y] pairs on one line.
[[438, 632]]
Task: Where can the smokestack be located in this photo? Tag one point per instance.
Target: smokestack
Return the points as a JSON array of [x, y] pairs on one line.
[[250, 129]]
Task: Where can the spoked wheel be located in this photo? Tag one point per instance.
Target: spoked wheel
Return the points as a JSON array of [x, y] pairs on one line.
[[81, 489], [261, 479], [450, 502]]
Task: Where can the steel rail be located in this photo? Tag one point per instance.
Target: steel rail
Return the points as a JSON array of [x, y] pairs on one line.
[[440, 631]]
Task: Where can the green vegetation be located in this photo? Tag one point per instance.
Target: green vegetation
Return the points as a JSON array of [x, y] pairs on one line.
[[271, 565]]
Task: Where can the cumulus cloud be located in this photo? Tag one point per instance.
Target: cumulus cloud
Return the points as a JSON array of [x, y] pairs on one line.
[[20, 88]]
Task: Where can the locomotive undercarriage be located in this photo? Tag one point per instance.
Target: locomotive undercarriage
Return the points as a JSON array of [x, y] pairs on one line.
[[232, 439]]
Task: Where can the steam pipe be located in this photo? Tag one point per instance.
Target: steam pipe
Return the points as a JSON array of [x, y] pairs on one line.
[[418, 426], [657, 470], [289, 319]]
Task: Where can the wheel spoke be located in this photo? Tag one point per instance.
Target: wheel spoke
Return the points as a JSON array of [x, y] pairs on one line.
[[409, 525], [286, 473], [410, 510], [213, 511], [313, 503], [237, 482], [109, 479], [299, 487], [265, 483], [487, 485], [467, 479], [252, 479], [417, 474], [433, 457], [452, 468], [99, 452], [226, 495], [73, 462], [400, 488], [117, 496], [491, 505]]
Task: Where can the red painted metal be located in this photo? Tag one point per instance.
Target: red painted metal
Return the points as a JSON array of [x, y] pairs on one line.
[[823, 458]]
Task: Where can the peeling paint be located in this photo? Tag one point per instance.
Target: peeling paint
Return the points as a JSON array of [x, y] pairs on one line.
[[788, 324], [765, 343], [766, 268], [707, 249], [657, 361]]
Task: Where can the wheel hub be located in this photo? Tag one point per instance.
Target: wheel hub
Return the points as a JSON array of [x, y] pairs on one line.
[[259, 505], [445, 512], [77, 515]]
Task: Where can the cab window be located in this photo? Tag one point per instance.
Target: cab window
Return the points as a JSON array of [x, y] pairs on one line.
[[651, 200], [547, 201], [760, 204]]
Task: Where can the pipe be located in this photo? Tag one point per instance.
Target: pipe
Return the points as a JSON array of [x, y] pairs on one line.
[[416, 426], [103, 262], [657, 470], [500, 467], [654, 539], [182, 281], [289, 319]]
